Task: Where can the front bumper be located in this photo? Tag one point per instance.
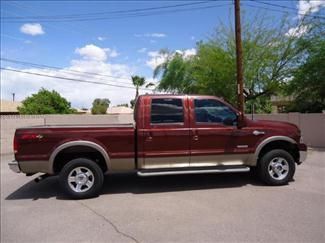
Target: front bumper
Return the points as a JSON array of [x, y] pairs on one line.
[[14, 166], [302, 152], [302, 156]]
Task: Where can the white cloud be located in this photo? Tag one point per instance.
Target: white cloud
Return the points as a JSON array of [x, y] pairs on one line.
[[152, 35], [297, 31], [32, 29], [188, 52], [93, 52], [305, 6], [156, 35], [79, 94], [156, 58], [101, 38], [112, 52], [142, 50]]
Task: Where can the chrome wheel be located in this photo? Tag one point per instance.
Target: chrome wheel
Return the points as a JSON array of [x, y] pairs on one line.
[[81, 179], [278, 168]]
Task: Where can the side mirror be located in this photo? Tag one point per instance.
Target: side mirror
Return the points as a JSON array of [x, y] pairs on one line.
[[240, 120]]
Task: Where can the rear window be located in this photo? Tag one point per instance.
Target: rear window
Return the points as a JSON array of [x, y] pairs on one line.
[[167, 111]]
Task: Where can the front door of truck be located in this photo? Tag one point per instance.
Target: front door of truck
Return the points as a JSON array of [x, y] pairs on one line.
[[166, 133], [214, 134]]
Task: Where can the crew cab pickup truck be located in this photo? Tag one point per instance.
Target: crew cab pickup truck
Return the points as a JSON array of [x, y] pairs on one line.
[[171, 134]]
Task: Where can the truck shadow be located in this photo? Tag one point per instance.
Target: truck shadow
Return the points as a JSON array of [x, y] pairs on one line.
[[130, 183]]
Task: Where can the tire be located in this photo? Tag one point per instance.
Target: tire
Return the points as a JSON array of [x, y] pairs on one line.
[[276, 167], [86, 178]]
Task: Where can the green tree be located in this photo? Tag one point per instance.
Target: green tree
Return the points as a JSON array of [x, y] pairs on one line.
[[45, 102], [139, 82], [308, 83], [270, 53], [100, 106]]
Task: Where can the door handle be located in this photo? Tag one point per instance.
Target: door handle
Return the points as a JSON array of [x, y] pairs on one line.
[[256, 132], [195, 137], [148, 136]]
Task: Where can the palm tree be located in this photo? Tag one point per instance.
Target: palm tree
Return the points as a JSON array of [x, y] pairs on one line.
[[138, 82]]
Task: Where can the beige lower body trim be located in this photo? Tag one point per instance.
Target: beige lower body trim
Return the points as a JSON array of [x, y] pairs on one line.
[[216, 160], [165, 162], [197, 161], [125, 164], [34, 166]]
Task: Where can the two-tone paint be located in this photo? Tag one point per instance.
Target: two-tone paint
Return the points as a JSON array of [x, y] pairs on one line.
[[142, 145]]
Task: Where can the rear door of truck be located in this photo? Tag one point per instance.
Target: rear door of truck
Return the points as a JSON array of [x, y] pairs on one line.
[[164, 137]]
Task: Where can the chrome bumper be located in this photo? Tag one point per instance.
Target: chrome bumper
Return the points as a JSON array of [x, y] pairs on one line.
[[302, 156], [14, 166]]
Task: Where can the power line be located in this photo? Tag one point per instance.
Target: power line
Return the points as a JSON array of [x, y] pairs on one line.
[[119, 16], [107, 12], [282, 11], [61, 69], [70, 79]]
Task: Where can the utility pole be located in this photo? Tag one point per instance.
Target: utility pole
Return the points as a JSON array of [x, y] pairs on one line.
[[239, 58]]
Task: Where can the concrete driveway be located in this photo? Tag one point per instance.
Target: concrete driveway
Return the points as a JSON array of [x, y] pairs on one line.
[[189, 208]]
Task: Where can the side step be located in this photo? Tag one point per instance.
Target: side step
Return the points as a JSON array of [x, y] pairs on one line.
[[193, 170]]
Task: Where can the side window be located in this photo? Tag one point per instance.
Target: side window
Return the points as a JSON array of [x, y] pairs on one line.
[[167, 111], [213, 111]]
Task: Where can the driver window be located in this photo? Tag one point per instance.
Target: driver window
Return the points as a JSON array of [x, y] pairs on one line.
[[213, 111]]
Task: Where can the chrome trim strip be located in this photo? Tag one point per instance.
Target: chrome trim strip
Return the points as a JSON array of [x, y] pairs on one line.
[[183, 172], [79, 143], [14, 166], [302, 156]]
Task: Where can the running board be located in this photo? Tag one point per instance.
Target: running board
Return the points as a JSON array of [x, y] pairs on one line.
[[156, 172]]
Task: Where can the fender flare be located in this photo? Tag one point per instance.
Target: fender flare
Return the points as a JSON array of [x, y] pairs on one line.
[[90, 144], [254, 157]]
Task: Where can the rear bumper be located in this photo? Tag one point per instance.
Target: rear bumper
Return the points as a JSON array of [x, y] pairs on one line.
[[14, 166]]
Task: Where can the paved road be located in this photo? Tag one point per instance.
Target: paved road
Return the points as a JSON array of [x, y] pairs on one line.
[[196, 208]]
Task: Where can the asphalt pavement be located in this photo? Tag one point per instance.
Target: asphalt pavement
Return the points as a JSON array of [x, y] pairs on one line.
[[186, 208]]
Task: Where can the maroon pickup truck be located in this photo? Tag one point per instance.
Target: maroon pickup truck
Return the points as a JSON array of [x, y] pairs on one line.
[[172, 134]]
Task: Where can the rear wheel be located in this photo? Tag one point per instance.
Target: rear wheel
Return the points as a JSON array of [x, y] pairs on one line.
[[81, 178], [276, 167]]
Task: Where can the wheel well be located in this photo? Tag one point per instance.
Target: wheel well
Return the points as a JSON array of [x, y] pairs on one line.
[[79, 151], [284, 145]]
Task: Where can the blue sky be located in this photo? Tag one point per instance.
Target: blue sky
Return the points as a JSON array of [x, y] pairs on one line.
[[117, 47]]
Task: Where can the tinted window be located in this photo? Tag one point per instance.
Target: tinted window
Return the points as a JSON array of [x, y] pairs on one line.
[[213, 111], [166, 111]]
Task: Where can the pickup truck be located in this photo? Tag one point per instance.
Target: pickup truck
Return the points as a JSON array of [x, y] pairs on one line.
[[171, 135]]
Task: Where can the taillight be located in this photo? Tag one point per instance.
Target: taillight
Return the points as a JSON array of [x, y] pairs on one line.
[[16, 145]]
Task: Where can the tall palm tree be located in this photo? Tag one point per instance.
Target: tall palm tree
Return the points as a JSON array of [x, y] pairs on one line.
[[138, 82]]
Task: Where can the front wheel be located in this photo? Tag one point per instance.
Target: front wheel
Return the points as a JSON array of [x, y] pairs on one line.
[[81, 178], [276, 167]]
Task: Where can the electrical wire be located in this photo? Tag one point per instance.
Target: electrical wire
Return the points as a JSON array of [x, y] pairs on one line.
[[60, 68], [108, 12], [282, 11], [70, 79], [118, 16]]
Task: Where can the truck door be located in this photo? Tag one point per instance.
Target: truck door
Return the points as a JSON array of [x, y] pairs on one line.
[[214, 134], [166, 135]]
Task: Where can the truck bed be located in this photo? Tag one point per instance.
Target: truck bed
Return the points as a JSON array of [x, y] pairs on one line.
[[39, 142]]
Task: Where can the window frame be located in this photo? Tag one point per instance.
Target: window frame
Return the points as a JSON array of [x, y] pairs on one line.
[[195, 122], [181, 124]]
